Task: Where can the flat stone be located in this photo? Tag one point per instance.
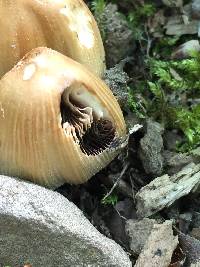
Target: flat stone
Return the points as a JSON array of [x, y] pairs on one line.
[[175, 26], [151, 146], [159, 247], [138, 232], [165, 190], [41, 227]]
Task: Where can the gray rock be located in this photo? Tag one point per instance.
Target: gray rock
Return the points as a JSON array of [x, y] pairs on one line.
[[118, 41], [195, 233], [196, 219], [138, 232], [186, 49], [159, 247], [151, 146], [185, 220], [183, 23], [43, 228], [174, 162], [165, 190], [173, 3], [117, 79], [191, 247]]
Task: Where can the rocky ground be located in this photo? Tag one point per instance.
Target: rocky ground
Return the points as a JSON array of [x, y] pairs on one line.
[[147, 200]]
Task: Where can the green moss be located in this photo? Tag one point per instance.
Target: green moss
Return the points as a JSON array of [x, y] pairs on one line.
[[165, 85], [110, 200], [137, 103], [168, 87], [137, 18], [179, 77], [163, 46], [141, 13], [188, 121], [97, 7]]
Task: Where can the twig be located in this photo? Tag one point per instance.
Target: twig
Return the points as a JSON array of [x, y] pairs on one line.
[[149, 41], [132, 188], [117, 181], [121, 216]]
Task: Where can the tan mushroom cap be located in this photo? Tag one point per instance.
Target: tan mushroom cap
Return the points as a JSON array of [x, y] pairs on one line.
[[36, 143], [66, 26]]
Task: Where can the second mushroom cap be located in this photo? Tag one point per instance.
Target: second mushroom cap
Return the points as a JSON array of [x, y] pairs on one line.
[[66, 26]]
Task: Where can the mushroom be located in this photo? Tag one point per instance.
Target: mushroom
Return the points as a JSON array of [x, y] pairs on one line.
[[59, 122], [66, 26]]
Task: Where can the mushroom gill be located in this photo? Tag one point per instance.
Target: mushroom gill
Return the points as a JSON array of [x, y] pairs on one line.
[[66, 26], [84, 116], [58, 120]]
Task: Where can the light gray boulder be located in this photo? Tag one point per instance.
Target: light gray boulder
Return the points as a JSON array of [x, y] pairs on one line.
[[41, 227]]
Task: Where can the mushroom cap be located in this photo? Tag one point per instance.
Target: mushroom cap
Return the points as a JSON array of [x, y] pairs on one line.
[[66, 26], [52, 112]]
